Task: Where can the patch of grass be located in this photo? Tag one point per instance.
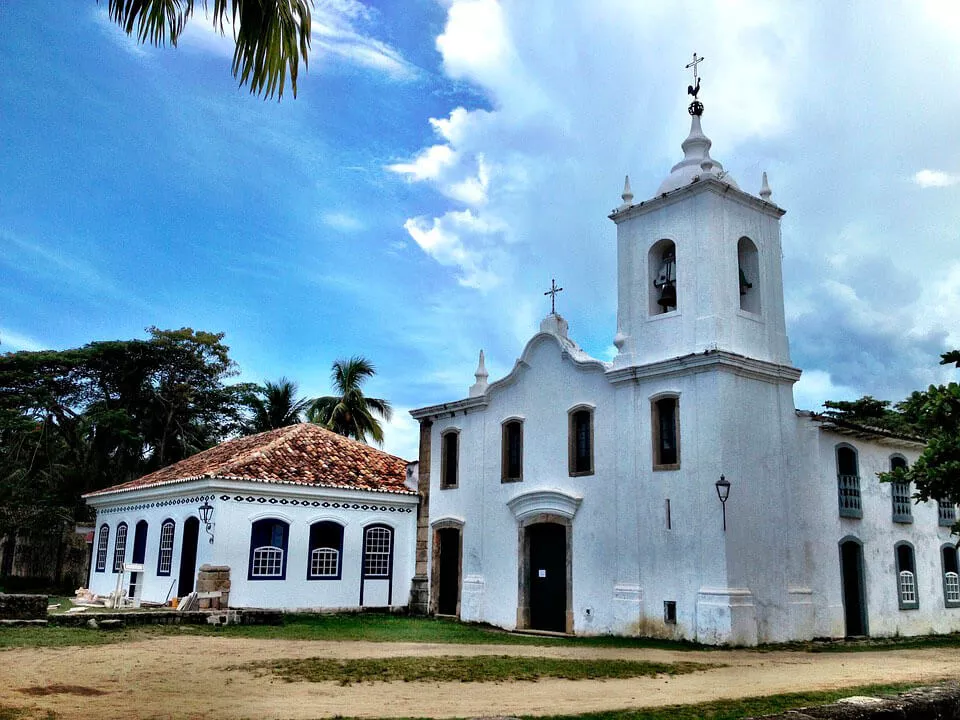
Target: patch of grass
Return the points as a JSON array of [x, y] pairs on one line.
[[736, 709], [377, 627], [455, 668], [55, 636]]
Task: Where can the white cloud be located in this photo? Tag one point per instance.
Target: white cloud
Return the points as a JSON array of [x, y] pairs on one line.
[[461, 240], [401, 434], [935, 178], [11, 341], [815, 387], [428, 164], [342, 221]]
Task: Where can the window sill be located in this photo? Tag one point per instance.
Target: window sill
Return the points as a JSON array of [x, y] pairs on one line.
[[911, 606], [951, 605], [504, 481], [755, 317], [663, 316], [582, 473], [449, 487], [903, 519], [670, 466], [852, 514], [311, 578]]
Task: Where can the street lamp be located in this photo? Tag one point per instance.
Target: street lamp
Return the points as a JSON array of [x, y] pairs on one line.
[[206, 513], [723, 492]]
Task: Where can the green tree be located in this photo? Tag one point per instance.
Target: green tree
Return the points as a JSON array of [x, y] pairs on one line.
[[936, 414], [350, 412], [275, 405], [271, 36]]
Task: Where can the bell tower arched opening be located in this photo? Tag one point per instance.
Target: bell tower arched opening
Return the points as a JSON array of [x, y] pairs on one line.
[[662, 268], [748, 263]]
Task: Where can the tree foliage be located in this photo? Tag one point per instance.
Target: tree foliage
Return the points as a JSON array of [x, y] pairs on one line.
[[350, 412], [274, 405], [270, 36], [73, 421]]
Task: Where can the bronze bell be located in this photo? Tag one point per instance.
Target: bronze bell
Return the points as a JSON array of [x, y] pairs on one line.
[[668, 295]]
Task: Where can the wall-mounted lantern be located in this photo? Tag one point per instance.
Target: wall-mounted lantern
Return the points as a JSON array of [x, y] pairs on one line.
[[723, 492], [206, 517]]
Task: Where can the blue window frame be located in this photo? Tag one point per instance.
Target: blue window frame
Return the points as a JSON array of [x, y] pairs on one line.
[[165, 556], [268, 550], [119, 547], [103, 541], [325, 559]]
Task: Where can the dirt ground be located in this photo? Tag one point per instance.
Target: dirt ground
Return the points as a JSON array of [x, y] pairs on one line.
[[174, 677]]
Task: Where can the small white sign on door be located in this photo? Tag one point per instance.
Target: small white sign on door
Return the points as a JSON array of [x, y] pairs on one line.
[[541, 573]]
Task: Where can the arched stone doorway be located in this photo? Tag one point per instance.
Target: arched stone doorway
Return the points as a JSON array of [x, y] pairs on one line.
[[446, 567]]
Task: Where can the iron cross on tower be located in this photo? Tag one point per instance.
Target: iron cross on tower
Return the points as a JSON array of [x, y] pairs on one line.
[[695, 88], [552, 292]]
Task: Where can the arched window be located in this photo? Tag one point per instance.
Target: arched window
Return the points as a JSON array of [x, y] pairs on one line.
[[848, 482], [449, 458], [662, 268], [377, 551], [580, 441], [326, 550], [900, 493], [906, 577], [268, 550], [748, 263], [665, 423], [511, 451], [165, 556], [102, 542], [951, 576], [119, 547]]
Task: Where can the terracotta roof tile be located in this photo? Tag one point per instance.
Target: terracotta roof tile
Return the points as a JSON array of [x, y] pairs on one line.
[[303, 454]]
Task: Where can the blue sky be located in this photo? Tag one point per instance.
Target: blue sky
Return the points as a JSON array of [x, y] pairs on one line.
[[444, 160]]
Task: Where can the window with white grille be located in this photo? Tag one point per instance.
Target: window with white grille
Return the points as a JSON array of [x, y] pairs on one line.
[[165, 558], [120, 547], [951, 577], [268, 550], [377, 550], [907, 595], [947, 513], [267, 562], [102, 543], [326, 546], [324, 562]]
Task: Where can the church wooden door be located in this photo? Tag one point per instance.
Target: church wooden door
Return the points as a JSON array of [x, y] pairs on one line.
[[548, 576], [139, 553], [854, 597]]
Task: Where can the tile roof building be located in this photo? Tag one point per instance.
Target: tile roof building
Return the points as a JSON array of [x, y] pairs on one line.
[[302, 517]]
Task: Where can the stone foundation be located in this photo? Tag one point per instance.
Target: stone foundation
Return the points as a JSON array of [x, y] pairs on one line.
[[23, 607]]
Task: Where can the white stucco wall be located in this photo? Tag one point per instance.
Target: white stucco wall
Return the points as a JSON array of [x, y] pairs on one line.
[[237, 505]]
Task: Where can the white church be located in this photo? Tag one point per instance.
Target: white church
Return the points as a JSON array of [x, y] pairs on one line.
[[676, 492]]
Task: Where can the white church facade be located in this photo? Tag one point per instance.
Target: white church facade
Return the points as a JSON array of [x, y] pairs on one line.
[[675, 491]]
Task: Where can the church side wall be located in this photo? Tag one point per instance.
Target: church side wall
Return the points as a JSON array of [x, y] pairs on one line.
[[878, 534]]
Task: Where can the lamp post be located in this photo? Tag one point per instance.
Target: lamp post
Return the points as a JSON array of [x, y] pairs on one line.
[[206, 513], [723, 492]]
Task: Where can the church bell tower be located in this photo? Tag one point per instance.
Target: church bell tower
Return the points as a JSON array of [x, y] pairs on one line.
[[699, 263]]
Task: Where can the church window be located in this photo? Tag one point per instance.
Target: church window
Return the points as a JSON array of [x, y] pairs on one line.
[[848, 482], [748, 264], [102, 542], [268, 550], [662, 264], [951, 576], [450, 458], [377, 551], [906, 577], [580, 441], [666, 433], [946, 513], [326, 548], [165, 556], [902, 506], [512, 451], [120, 547]]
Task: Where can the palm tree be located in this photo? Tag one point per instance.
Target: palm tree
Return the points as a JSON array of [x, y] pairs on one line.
[[271, 35], [275, 405], [350, 412]]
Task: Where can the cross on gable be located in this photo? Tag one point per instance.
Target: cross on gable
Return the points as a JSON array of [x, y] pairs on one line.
[[552, 292]]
